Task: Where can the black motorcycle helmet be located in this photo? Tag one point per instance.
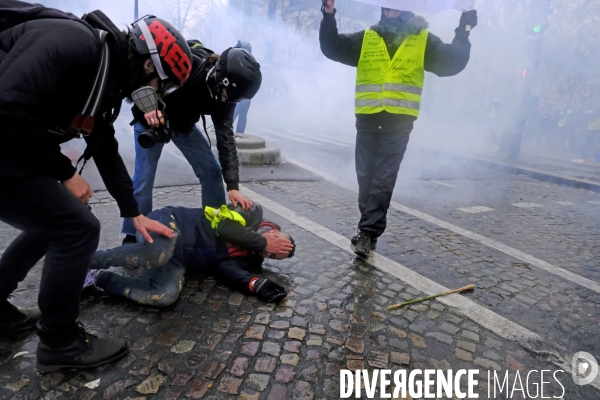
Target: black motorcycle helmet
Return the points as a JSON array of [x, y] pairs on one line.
[[168, 49], [238, 72]]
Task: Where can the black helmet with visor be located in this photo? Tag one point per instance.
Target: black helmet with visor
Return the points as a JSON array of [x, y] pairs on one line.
[[238, 72]]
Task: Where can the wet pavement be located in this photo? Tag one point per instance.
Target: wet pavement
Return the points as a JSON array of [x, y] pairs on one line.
[[216, 343]]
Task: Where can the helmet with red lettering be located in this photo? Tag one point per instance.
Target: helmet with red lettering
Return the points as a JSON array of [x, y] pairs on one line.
[[168, 49]]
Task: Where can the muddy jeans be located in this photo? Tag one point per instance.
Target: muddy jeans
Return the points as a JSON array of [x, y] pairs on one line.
[[161, 265]]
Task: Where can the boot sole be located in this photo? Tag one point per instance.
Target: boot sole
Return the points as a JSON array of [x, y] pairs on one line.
[[55, 368], [360, 253]]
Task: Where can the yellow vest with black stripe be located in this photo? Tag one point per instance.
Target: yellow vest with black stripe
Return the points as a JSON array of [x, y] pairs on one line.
[[388, 85]]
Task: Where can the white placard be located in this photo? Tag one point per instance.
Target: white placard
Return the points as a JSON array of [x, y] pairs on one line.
[[423, 6]]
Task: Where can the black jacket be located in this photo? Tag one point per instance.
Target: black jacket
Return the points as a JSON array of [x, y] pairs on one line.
[[45, 79], [440, 58], [186, 105], [204, 247]]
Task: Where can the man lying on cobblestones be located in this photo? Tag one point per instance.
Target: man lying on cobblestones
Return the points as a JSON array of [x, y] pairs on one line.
[[229, 247]]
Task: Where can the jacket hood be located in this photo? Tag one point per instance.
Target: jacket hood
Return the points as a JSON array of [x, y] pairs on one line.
[[395, 30], [117, 42]]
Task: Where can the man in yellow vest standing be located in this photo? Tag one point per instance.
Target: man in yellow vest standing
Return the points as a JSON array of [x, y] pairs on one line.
[[391, 59]]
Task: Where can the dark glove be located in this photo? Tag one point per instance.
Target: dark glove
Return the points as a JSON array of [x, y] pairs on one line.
[[468, 18], [269, 291]]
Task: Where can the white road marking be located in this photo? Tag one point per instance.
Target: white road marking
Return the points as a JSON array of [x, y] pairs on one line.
[[496, 323], [475, 209], [442, 183], [593, 202], [527, 205], [544, 265], [492, 321], [565, 203]]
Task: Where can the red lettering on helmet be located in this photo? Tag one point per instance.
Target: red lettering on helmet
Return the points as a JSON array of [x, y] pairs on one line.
[[179, 62], [170, 51], [163, 39]]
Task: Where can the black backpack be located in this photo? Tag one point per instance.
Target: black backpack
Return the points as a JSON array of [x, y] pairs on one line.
[[199, 50], [13, 13]]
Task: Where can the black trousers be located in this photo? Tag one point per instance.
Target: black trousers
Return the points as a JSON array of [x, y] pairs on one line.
[[56, 224], [377, 157]]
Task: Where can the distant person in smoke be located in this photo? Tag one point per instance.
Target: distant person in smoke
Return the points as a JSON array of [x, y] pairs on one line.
[[216, 84], [242, 108], [493, 119], [386, 102], [229, 243], [51, 61]]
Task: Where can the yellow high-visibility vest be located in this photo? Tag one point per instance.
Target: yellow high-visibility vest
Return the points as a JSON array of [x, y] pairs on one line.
[[594, 126], [394, 86], [216, 215]]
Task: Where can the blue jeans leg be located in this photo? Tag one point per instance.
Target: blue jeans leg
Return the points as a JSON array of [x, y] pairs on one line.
[[241, 109], [196, 151], [146, 163]]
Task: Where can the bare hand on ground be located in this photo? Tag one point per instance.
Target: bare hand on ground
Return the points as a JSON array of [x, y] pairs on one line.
[[236, 197], [154, 118], [144, 225], [79, 187]]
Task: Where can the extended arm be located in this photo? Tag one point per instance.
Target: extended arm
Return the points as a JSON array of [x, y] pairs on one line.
[[228, 156], [337, 47], [445, 59], [113, 172]]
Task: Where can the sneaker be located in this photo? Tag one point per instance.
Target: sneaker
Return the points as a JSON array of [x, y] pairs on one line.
[[76, 349], [15, 320], [90, 279], [354, 240], [129, 239], [363, 245]]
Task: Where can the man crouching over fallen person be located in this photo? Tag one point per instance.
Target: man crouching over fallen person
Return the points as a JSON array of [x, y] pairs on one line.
[[226, 243]]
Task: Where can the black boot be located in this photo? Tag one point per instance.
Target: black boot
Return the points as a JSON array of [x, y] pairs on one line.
[[363, 244], [15, 320], [354, 240], [129, 239], [74, 348]]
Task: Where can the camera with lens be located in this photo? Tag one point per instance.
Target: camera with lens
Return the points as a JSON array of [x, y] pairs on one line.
[[162, 134], [147, 100]]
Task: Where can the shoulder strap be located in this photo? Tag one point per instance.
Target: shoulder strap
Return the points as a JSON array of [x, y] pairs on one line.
[[83, 124]]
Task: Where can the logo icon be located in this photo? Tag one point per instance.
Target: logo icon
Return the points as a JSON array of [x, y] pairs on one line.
[[584, 368]]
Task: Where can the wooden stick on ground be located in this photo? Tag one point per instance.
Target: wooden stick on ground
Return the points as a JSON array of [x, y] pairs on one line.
[[448, 248], [462, 289]]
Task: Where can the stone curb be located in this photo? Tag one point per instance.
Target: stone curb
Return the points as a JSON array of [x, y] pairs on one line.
[[530, 172]]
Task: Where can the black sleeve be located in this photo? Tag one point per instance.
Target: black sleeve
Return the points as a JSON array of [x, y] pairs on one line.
[[232, 275], [445, 59], [235, 233], [228, 156], [341, 48], [28, 87], [113, 172]]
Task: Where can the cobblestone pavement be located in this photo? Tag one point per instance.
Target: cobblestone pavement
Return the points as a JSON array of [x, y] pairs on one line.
[[216, 343]]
